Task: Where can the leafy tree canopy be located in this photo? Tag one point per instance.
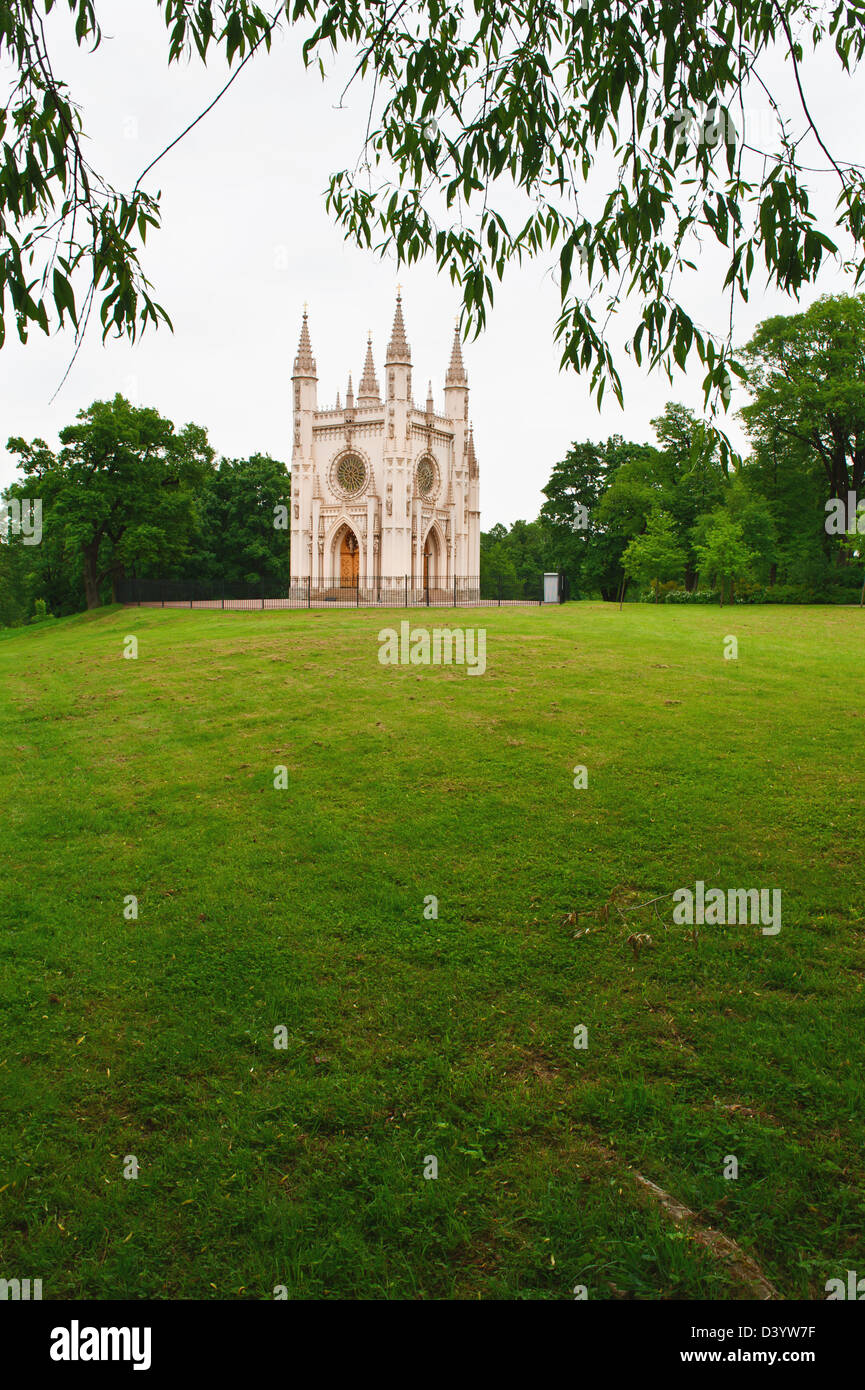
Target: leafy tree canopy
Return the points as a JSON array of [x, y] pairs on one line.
[[470, 105], [238, 540], [806, 373], [656, 555], [120, 491], [724, 556]]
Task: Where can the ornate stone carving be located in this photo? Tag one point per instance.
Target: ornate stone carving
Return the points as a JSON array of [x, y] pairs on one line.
[[436, 479]]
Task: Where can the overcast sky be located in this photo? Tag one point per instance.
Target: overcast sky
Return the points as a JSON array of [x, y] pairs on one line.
[[246, 240]]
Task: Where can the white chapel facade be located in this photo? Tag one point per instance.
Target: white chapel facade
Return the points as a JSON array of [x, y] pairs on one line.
[[381, 488]]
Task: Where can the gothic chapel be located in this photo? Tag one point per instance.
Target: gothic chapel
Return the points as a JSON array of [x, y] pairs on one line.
[[381, 488]]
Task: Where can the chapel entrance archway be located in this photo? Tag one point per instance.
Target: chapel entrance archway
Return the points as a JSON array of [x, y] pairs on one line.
[[432, 561], [348, 557]]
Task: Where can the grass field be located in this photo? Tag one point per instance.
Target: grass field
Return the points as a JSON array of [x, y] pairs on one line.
[[409, 1036]]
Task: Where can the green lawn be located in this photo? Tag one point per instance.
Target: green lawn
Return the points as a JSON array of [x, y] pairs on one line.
[[408, 1036]]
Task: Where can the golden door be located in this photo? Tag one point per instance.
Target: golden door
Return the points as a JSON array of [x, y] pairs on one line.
[[349, 560]]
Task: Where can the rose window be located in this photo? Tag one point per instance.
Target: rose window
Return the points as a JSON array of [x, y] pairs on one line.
[[425, 477], [350, 474]]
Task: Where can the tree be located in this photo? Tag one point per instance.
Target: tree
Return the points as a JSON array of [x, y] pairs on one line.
[[237, 541], [517, 557], [474, 112], [692, 473], [633, 493], [14, 588], [806, 373], [657, 555], [724, 556], [791, 480], [121, 490], [752, 512], [572, 496], [52, 569]]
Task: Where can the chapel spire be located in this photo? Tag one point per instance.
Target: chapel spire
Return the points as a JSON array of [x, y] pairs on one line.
[[473, 462], [304, 362], [456, 375], [367, 393], [349, 395], [398, 350]]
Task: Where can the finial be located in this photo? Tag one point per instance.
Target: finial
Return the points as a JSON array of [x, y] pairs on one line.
[[304, 362], [472, 456], [456, 373], [368, 390], [398, 350]]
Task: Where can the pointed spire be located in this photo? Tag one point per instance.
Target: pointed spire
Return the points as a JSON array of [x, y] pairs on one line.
[[473, 462], [304, 362], [368, 390], [398, 350], [338, 402], [349, 395], [456, 371], [430, 403]]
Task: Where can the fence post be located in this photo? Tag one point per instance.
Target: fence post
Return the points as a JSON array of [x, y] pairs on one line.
[[455, 591], [406, 591], [191, 591], [500, 593], [223, 592], [309, 591], [357, 590]]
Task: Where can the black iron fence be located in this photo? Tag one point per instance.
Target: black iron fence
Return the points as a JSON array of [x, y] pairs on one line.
[[391, 592]]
